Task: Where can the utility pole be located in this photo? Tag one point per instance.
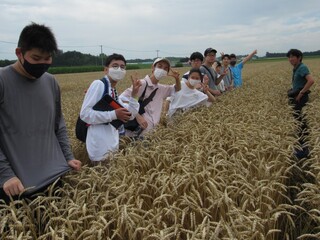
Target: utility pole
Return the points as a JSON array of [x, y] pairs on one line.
[[157, 53], [101, 56]]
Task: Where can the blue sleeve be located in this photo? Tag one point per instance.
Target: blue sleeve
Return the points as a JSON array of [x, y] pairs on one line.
[[240, 65]]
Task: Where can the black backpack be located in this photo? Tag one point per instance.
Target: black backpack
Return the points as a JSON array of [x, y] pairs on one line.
[[81, 126]]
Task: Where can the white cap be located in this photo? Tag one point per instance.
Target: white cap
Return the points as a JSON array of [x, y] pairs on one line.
[[162, 60]]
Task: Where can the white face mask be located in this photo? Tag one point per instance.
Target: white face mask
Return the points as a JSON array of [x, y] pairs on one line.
[[116, 74], [194, 82], [159, 73]]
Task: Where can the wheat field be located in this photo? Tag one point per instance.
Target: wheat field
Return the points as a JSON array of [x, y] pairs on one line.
[[223, 172]]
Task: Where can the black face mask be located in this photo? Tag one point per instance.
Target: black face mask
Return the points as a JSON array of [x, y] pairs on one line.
[[35, 70], [232, 63]]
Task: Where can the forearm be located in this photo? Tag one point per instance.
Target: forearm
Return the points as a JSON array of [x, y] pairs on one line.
[[6, 172], [309, 83], [247, 58], [211, 98], [177, 86]]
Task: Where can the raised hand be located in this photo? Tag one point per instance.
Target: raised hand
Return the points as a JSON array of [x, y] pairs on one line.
[[214, 65], [174, 73], [136, 84], [225, 72], [205, 88], [205, 79]]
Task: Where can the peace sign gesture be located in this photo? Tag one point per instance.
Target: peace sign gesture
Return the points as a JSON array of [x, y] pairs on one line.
[[136, 84], [174, 74]]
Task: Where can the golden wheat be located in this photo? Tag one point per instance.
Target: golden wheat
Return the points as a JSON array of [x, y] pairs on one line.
[[211, 173]]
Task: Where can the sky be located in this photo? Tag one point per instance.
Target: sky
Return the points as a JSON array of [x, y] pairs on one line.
[[165, 28]]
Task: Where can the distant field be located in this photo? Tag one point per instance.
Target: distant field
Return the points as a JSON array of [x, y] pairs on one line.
[[81, 69], [223, 172], [277, 59]]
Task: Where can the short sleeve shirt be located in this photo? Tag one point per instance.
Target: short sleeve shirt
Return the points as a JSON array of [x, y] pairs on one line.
[[299, 76], [228, 77], [212, 75], [237, 74]]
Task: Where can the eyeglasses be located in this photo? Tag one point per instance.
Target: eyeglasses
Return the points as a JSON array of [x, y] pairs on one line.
[[116, 66]]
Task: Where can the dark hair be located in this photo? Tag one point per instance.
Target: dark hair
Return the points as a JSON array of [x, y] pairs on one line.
[[196, 70], [218, 63], [232, 55], [226, 56], [209, 50], [196, 55], [295, 52], [114, 56], [37, 36]]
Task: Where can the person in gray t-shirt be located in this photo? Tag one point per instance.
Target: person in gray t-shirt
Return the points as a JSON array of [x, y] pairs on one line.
[[34, 146], [206, 69]]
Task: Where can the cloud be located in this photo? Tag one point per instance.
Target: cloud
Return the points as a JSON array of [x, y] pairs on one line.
[[138, 28]]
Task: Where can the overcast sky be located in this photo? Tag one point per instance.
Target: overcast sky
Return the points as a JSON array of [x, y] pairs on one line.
[[138, 28]]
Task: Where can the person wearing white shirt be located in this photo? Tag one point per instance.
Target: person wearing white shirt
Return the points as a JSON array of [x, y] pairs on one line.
[[189, 97], [103, 139], [217, 68]]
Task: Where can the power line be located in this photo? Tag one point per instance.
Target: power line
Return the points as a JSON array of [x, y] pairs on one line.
[[8, 42], [108, 47]]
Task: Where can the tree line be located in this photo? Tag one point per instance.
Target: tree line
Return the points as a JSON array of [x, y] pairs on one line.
[[274, 55], [75, 58]]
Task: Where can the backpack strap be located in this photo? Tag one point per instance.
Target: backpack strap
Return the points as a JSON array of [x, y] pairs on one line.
[[143, 93], [144, 102], [208, 71], [106, 86], [106, 89], [150, 98]]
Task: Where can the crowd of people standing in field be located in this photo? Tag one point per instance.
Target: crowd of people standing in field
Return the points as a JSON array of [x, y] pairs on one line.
[[143, 101], [34, 145]]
